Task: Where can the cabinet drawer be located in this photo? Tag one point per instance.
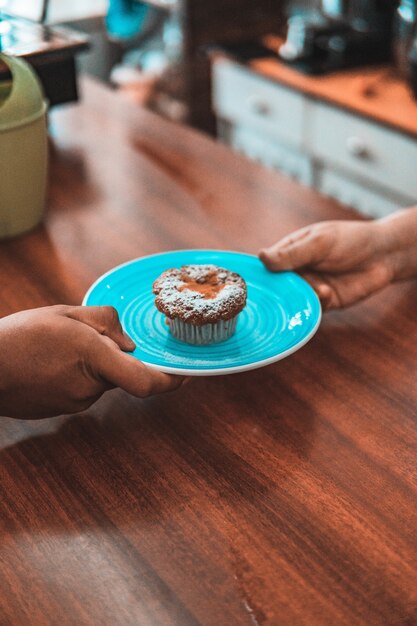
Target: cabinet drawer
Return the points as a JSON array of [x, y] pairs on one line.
[[370, 151], [272, 154], [352, 193], [241, 96]]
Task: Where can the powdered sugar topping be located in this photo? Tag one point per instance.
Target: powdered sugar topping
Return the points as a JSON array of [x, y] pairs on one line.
[[200, 293]]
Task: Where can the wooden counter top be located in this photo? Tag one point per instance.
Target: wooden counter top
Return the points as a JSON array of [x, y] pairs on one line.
[[282, 496], [375, 93]]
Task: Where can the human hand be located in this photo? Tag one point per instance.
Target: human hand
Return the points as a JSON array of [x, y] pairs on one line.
[[61, 359], [344, 261]]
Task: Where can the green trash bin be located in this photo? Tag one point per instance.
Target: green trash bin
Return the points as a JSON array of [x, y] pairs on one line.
[[23, 149]]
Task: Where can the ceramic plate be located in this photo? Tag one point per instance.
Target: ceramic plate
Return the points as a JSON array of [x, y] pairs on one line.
[[281, 315]]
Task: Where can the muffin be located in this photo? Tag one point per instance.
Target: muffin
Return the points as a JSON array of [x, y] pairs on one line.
[[201, 302]]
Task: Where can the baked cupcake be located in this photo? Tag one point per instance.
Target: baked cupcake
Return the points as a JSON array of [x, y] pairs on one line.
[[201, 302]]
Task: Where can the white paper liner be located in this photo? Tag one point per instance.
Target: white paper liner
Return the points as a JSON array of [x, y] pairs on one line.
[[204, 334]]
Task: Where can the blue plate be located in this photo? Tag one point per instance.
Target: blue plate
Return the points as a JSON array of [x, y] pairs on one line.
[[281, 315]]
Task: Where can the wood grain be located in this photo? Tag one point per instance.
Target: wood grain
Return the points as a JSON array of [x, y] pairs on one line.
[[282, 496]]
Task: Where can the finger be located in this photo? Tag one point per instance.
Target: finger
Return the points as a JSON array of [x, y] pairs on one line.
[[105, 320], [296, 235], [125, 371], [347, 289], [326, 296], [304, 248], [321, 287]]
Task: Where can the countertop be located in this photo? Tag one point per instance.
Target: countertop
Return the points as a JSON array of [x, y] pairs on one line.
[[377, 93], [286, 495]]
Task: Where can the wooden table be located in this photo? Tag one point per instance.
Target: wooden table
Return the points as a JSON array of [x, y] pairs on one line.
[[282, 496]]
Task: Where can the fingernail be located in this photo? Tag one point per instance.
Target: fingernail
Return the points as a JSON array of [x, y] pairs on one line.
[[263, 254], [324, 295], [129, 340]]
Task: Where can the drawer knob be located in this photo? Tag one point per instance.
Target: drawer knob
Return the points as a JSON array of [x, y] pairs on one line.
[[357, 147], [259, 106]]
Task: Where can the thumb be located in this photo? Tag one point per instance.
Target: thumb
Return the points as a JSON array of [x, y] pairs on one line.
[[105, 320], [298, 250], [125, 371]]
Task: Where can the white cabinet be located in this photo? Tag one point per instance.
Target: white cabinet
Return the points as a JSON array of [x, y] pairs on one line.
[[359, 162], [251, 101], [370, 151], [352, 193], [273, 154]]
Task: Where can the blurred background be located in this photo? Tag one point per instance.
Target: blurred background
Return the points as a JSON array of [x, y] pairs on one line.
[[154, 50], [322, 90]]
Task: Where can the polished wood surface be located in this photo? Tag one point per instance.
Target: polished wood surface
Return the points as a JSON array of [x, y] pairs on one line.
[[283, 496], [376, 93]]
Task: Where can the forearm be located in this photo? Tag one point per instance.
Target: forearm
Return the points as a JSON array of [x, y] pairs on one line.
[[400, 241]]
